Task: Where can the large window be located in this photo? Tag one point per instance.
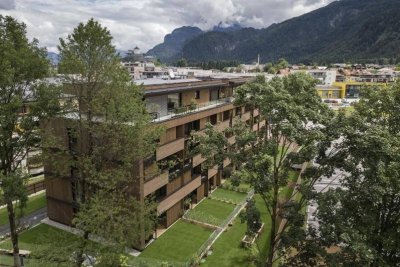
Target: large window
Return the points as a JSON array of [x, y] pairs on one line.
[[353, 91], [174, 100]]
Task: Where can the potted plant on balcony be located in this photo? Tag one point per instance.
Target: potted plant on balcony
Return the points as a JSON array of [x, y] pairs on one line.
[[179, 110], [193, 104]]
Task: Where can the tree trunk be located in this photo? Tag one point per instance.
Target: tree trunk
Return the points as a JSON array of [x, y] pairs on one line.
[[273, 241], [14, 233], [80, 257]]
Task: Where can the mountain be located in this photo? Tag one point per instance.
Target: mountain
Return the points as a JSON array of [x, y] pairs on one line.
[[171, 48], [227, 28], [347, 30], [54, 58]]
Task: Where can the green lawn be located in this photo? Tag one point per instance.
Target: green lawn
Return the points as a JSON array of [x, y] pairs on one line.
[[211, 211], [229, 195], [37, 240], [227, 251], [178, 243], [243, 186], [34, 203]]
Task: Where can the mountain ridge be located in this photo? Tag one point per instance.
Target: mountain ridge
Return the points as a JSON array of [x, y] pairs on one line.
[[347, 30]]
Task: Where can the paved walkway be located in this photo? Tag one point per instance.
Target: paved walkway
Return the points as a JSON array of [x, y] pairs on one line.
[[31, 219]]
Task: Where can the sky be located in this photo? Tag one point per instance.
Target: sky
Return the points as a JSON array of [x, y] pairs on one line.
[[144, 23]]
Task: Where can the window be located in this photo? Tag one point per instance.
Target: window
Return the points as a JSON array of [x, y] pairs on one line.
[[197, 94], [192, 126], [226, 115], [174, 101], [213, 119]]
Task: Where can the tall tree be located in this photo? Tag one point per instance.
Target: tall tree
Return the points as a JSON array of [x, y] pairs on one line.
[[294, 117], [23, 102], [113, 133], [362, 219]]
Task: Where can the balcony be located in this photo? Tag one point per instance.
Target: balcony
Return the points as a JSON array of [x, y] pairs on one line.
[[180, 111], [152, 185], [170, 148], [197, 160], [222, 125], [175, 197], [226, 162], [212, 172], [246, 116]]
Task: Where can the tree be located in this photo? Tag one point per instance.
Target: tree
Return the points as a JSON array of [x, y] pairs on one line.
[[294, 117], [252, 217], [182, 63], [113, 132], [22, 64], [282, 64], [362, 218]]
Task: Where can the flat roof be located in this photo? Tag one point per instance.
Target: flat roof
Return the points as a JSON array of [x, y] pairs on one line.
[[158, 81]]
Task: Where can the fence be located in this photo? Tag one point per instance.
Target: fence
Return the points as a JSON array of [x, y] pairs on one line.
[[35, 187], [213, 237]]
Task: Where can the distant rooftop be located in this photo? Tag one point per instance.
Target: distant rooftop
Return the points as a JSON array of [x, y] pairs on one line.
[[156, 81]]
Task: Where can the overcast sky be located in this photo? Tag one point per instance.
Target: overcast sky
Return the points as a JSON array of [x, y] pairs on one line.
[[144, 23]]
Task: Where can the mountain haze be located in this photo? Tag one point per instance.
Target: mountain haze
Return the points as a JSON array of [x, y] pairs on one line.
[[347, 30]]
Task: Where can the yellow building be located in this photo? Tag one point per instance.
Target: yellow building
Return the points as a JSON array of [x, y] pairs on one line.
[[348, 89]]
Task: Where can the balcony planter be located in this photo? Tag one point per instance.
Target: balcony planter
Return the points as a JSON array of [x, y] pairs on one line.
[[179, 110], [192, 106], [248, 241]]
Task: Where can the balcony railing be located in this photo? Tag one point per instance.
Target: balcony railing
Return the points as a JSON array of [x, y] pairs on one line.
[[176, 112]]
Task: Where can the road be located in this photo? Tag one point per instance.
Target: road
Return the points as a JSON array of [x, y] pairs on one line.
[[32, 219]]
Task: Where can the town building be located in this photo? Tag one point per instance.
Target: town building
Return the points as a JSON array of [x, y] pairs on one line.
[[181, 106]]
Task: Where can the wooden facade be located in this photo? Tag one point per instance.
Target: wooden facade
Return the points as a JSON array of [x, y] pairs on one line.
[[173, 188]]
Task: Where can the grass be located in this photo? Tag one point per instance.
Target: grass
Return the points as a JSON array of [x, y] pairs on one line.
[[178, 243], [228, 195], [227, 250], [35, 240], [34, 203], [211, 211], [347, 110], [35, 179], [243, 186]]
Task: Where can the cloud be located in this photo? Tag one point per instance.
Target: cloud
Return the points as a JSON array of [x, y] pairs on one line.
[[7, 4], [144, 23]]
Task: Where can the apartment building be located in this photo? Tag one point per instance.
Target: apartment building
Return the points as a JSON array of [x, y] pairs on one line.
[[182, 106], [323, 77]]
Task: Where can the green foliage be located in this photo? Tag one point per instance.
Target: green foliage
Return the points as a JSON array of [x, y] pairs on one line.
[[294, 116], [22, 65], [217, 64], [110, 118], [362, 219], [252, 217], [182, 63]]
